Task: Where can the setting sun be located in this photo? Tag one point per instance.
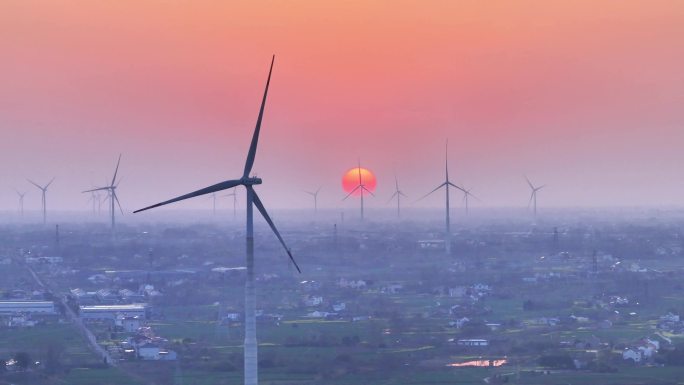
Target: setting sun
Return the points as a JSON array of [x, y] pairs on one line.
[[350, 180]]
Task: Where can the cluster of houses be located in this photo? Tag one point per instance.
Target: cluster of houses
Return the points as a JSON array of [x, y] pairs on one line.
[[670, 323], [111, 296], [140, 342], [642, 351], [143, 344]]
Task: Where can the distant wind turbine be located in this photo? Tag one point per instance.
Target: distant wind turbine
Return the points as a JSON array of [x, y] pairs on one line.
[[398, 194], [21, 201], [361, 187], [234, 195], [95, 200], [213, 197], [466, 195], [43, 190], [250, 360], [111, 191], [315, 198], [533, 195], [446, 184]]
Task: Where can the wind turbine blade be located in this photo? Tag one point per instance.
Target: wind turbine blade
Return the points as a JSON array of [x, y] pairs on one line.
[[351, 192], [367, 190], [116, 170], [402, 194], [473, 196], [456, 187], [262, 210], [540, 187], [255, 137], [207, 190], [49, 183], [392, 197], [34, 183], [319, 189], [116, 198], [96, 189], [529, 183], [436, 188]]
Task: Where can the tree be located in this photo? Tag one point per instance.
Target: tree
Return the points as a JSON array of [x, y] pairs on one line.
[[675, 357], [23, 360], [557, 361], [52, 359]]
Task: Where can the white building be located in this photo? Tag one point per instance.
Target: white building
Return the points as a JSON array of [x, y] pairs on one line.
[[459, 323], [149, 352], [313, 300], [472, 342], [129, 324], [458, 292], [29, 307], [111, 312], [631, 354]]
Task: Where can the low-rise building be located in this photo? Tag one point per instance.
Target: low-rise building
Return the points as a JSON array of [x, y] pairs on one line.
[[472, 342], [111, 312], [29, 307]]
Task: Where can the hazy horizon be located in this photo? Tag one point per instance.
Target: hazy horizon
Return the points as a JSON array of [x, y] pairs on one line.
[[584, 97]]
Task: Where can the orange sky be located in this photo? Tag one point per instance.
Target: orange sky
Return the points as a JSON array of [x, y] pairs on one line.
[[585, 96]]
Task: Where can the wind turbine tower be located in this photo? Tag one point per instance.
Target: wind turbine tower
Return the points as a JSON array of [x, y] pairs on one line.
[[314, 194], [361, 187], [234, 195], [533, 195], [21, 201], [111, 191], [466, 199], [398, 194], [43, 190], [446, 184], [213, 197], [250, 349]]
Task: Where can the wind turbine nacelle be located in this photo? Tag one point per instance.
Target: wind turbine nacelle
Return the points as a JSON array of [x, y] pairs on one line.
[[250, 181]]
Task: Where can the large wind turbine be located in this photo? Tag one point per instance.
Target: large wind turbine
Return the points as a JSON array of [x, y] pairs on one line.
[[111, 191], [446, 184], [361, 187], [397, 193], [251, 374], [43, 190], [21, 201], [315, 198], [533, 195]]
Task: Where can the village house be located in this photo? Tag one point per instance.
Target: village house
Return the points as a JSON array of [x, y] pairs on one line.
[[459, 323], [632, 354], [351, 284], [312, 300], [472, 342]]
